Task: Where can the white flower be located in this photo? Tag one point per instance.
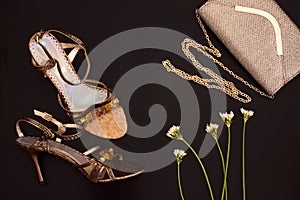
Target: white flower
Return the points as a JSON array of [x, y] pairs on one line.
[[179, 154], [227, 117], [174, 132], [247, 114], [212, 129]]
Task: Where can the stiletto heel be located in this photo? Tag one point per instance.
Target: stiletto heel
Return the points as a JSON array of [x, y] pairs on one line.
[[109, 166], [34, 157]]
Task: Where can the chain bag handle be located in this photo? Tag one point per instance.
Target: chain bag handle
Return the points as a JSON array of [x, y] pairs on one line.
[[217, 82]]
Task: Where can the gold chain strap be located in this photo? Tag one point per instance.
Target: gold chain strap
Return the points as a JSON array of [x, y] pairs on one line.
[[217, 82], [218, 54]]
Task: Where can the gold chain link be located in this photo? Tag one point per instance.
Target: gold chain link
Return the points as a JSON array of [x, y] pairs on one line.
[[217, 82]]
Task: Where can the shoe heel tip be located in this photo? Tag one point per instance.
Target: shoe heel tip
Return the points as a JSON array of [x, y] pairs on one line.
[[42, 182]]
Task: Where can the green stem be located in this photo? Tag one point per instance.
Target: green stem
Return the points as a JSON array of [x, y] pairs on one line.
[[179, 182], [227, 158], [224, 189], [203, 168], [221, 155], [243, 161]]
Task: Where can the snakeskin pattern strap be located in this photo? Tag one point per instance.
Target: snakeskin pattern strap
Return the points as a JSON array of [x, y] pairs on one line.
[[49, 133], [80, 45]]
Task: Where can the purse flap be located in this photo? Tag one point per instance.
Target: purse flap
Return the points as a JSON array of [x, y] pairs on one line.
[[260, 35]]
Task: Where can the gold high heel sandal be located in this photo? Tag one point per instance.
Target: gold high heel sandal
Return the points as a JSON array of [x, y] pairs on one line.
[[109, 167], [91, 106]]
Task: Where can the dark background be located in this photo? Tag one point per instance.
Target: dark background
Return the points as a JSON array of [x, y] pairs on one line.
[[272, 138]]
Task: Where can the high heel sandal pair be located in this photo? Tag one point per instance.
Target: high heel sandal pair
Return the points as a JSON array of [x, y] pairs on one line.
[[92, 107]]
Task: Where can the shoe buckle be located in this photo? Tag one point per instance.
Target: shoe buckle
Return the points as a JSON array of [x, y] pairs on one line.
[[47, 116]]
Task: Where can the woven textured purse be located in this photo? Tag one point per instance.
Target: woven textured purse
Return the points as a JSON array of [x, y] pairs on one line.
[[261, 37]]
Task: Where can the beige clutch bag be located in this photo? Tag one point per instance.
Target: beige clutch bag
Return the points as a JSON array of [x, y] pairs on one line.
[[261, 37]]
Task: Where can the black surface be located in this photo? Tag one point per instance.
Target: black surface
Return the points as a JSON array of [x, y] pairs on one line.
[[273, 136]]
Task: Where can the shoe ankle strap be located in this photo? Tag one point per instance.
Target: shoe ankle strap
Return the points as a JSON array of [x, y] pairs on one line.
[[49, 133], [61, 128], [79, 45]]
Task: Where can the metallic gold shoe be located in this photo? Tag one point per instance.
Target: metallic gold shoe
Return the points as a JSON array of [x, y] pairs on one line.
[[109, 167], [91, 106]]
